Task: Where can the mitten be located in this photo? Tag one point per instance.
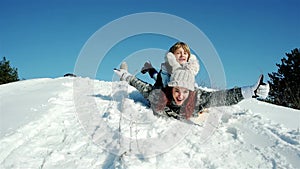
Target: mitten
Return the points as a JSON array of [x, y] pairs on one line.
[[171, 62], [193, 64], [259, 90]]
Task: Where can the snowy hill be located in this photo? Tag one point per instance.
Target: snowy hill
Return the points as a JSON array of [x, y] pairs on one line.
[[83, 123]]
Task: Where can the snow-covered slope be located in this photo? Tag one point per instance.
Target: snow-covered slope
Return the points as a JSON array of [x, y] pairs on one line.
[[84, 123]]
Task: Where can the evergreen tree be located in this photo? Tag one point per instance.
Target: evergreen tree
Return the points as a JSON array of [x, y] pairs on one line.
[[285, 84], [7, 73]]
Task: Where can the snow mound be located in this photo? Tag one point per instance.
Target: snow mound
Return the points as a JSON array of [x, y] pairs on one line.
[[75, 122]]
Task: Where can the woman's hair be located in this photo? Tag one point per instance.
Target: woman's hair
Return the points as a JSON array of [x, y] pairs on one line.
[[189, 105], [183, 45], [165, 97]]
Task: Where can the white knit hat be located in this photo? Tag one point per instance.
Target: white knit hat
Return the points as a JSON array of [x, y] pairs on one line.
[[182, 78]]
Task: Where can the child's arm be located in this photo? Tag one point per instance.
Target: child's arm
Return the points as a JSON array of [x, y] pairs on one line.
[[172, 64], [193, 64]]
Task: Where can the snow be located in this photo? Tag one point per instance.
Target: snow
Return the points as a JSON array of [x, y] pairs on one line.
[[85, 123]]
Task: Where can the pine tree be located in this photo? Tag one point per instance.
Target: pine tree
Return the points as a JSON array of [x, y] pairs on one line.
[[285, 84], [7, 73]]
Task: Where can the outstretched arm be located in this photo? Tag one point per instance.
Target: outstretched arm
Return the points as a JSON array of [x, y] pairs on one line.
[[232, 96], [218, 98]]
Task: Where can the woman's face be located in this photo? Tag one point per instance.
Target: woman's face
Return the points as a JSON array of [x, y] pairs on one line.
[[181, 55], [180, 94]]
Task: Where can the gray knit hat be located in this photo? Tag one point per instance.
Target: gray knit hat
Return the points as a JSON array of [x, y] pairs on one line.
[[182, 78]]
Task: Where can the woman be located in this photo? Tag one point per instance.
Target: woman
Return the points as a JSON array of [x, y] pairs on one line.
[[181, 100]]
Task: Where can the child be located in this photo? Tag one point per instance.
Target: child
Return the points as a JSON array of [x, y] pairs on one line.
[[179, 55]]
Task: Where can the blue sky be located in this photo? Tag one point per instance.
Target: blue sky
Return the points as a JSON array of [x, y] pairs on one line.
[[44, 39]]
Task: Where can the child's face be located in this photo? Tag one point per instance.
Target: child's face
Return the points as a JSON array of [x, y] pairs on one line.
[[180, 94], [181, 55]]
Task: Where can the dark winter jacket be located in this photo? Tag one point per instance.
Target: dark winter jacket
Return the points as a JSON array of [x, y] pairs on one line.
[[204, 99]]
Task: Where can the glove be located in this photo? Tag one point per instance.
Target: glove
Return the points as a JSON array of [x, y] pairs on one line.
[[122, 72], [259, 90], [147, 66]]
